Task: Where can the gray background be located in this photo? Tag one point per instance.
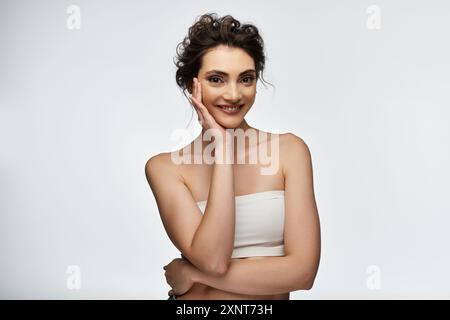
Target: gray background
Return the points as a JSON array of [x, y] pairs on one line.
[[81, 111]]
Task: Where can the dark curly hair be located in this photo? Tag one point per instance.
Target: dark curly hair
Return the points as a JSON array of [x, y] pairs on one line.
[[208, 32]]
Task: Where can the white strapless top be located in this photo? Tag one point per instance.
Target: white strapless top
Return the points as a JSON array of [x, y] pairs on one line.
[[259, 224]]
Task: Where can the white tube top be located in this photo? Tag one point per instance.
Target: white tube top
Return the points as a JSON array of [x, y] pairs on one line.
[[259, 224]]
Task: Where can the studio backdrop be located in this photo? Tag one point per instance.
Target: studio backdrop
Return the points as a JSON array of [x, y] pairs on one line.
[[88, 95]]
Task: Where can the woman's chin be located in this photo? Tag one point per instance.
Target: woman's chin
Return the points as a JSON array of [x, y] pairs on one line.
[[230, 123]]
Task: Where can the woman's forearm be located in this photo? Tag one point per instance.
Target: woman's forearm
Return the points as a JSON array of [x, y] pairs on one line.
[[265, 276], [214, 238]]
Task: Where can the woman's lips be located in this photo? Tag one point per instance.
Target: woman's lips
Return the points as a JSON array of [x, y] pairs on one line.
[[231, 111]]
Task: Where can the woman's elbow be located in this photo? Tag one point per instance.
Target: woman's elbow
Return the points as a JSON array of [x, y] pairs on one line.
[[306, 281], [308, 285], [216, 269]]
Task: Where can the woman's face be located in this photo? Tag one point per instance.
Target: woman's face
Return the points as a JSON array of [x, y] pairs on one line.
[[228, 78]]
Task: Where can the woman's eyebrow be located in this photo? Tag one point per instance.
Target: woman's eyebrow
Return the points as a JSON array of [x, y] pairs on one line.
[[226, 74]]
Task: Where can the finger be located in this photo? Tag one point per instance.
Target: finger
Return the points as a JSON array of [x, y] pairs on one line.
[[198, 95], [197, 110], [199, 107], [200, 119], [195, 103], [201, 110], [199, 92], [194, 87], [191, 101]]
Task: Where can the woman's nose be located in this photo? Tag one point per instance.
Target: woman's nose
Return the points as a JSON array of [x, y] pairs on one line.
[[233, 93]]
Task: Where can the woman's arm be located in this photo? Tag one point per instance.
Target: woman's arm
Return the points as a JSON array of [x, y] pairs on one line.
[[206, 240], [214, 237], [265, 276], [297, 269]]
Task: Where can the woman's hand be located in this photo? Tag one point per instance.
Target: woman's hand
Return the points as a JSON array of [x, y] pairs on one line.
[[178, 276], [206, 119]]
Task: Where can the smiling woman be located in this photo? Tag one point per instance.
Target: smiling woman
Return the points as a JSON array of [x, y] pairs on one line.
[[242, 234], [227, 93], [209, 53]]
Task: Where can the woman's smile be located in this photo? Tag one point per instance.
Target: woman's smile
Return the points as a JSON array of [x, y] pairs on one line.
[[229, 109]]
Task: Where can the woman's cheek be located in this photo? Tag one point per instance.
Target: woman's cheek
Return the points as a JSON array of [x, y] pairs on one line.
[[209, 106]]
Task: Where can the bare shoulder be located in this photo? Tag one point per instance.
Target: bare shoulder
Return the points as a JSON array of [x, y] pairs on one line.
[[160, 165], [293, 141], [293, 150], [157, 162]]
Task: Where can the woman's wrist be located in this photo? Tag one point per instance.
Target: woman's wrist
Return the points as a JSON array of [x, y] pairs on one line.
[[223, 152], [194, 274]]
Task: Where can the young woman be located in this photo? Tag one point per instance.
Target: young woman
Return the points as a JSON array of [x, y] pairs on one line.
[[242, 233]]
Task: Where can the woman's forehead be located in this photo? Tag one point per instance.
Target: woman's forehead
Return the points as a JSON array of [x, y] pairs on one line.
[[229, 60]]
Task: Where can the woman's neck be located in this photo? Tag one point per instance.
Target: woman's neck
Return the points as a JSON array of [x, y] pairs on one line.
[[244, 126]]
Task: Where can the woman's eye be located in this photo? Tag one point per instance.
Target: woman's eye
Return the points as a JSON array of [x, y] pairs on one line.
[[250, 79], [211, 78]]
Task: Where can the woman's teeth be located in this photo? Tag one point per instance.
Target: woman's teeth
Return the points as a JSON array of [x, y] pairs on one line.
[[230, 108]]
